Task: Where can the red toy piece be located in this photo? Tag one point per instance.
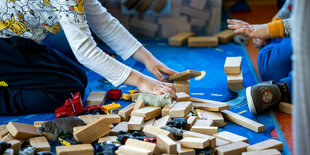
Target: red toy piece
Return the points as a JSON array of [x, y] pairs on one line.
[[94, 109], [114, 94], [72, 107]]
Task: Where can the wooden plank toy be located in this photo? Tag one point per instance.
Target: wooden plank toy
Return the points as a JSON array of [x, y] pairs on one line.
[[264, 152], [235, 81], [200, 135], [15, 145], [233, 148], [181, 86], [166, 109], [162, 121], [147, 112], [145, 145], [110, 119], [267, 144], [129, 4], [225, 36], [204, 122], [40, 143], [166, 144], [180, 109], [158, 5], [283, 107], [120, 126], [183, 150], [9, 137], [221, 142], [216, 117], [134, 97], [135, 123], [195, 12], [110, 138], [85, 149], [149, 122], [190, 122], [183, 97], [3, 131], [153, 131], [243, 121], [125, 112], [209, 130], [38, 124], [180, 39], [21, 130], [96, 97], [139, 104], [203, 41], [210, 107], [186, 75], [143, 5], [91, 132], [194, 143], [124, 150], [233, 65], [231, 137]]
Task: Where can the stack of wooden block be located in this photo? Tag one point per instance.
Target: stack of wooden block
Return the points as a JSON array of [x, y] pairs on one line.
[[234, 73]]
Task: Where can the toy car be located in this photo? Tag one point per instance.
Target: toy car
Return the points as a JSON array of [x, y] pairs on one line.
[[112, 108], [94, 109], [127, 95], [72, 107], [114, 94]]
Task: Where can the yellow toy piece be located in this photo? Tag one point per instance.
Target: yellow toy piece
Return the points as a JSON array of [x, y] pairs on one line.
[[127, 95], [107, 108], [63, 142]]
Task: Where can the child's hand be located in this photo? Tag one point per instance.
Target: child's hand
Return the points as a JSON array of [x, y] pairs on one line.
[[256, 31], [159, 69]]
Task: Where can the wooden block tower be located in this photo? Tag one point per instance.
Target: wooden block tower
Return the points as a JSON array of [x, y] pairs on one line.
[[234, 73]]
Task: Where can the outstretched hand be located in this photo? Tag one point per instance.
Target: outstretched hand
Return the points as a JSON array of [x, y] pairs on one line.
[[158, 69], [260, 31]]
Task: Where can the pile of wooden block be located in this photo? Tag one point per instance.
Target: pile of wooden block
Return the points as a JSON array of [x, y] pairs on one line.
[[142, 5], [234, 73], [183, 38]]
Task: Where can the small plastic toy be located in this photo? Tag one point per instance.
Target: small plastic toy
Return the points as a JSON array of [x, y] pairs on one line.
[[127, 95], [106, 148], [45, 153], [68, 141], [112, 108], [72, 107], [114, 94], [30, 150], [94, 109], [122, 137], [4, 146]]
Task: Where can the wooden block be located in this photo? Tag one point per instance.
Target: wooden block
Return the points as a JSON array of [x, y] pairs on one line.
[[9, 152], [174, 20], [202, 41], [243, 121], [166, 109], [233, 148], [180, 109], [120, 126], [180, 39], [92, 131], [184, 151], [85, 149], [139, 104], [186, 75], [190, 122], [48, 136], [195, 12], [129, 4], [143, 5], [110, 119], [149, 122], [3, 131], [9, 137], [200, 135], [283, 107], [168, 30], [109, 138], [15, 145], [221, 142], [158, 5], [198, 4], [124, 150], [214, 21], [145, 145], [21, 130], [96, 97], [216, 117], [135, 123], [125, 112], [203, 122], [40, 143], [183, 97], [210, 107], [225, 36], [162, 121], [153, 131], [231, 137], [209, 130], [181, 86], [267, 144], [166, 144], [198, 21], [264, 152], [235, 81], [134, 97], [194, 143], [147, 112], [233, 65]]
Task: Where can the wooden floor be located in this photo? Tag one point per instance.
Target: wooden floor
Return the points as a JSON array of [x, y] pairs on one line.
[[262, 12]]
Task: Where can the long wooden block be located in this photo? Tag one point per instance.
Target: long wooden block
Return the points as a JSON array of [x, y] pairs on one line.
[[233, 148], [210, 107], [21, 130], [109, 138], [174, 20], [129, 4], [267, 144], [204, 122], [153, 131], [110, 119], [143, 5], [186, 75], [202, 41], [92, 131], [139, 104], [221, 142], [183, 97], [166, 144], [166, 109], [168, 30], [147, 112], [243, 121], [235, 81], [190, 122], [194, 143], [134, 97], [283, 107], [180, 39], [120, 126], [231, 137], [3, 131], [82, 149], [158, 5], [135, 123], [149, 122], [199, 100], [198, 21], [145, 145], [9, 137], [198, 4], [40, 143], [180, 109], [233, 65], [182, 86], [48, 136], [183, 150], [15, 145], [124, 150], [38, 124], [96, 97], [162, 121], [125, 112], [195, 12], [200, 135], [225, 36], [264, 152], [216, 117], [209, 130]]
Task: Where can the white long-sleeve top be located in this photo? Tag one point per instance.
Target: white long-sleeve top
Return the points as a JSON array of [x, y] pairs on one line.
[[34, 19]]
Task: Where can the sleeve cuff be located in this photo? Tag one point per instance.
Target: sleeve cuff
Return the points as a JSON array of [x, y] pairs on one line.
[[276, 29], [132, 50], [123, 77]]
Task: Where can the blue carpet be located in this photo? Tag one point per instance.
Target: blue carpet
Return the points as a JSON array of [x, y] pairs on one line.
[[212, 86]]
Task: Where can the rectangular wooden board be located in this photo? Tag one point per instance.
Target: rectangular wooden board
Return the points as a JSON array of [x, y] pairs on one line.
[[147, 112], [233, 65], [231, 137], [233, 148], [21, 130], [135, 123], [82, 149], [203, 41], [96, 97], [125, 112], [180, 109], [40, 143], [267, 144], [180, 39], [186, 75]]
